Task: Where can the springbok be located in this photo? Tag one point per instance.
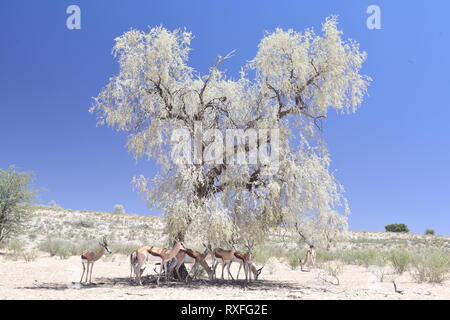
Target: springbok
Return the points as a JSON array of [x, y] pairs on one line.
[[226, 257], [166, 255], [310, 258], [245, 258], [138, 258], [249, 267], [88, 258], [195, 257], [143, 255]]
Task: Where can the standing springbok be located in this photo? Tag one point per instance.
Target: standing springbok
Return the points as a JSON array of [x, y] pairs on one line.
[[310, 258], [226, 257], [195, 257], [141, 256], [138, 258], [246, 259], [166, 256], [88, 258], [249, 268]]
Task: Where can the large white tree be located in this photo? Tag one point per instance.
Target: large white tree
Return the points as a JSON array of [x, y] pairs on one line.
[[290, 86]]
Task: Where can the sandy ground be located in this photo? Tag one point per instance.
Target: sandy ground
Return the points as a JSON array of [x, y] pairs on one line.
[[53, 278]]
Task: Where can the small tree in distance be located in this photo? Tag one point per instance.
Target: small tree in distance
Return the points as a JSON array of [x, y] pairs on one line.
[[54, 205], [119, 209], [15, 193], [397, 227], [430, 232]]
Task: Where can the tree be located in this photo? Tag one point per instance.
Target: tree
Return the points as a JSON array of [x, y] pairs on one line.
[[166, 109], [397, 227], [430, 232], [15, 193], [119, 209], [54, 205]]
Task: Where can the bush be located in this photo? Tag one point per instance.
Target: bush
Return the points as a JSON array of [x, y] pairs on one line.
[[123, 248], [54, 205], [65, 248], [362, 257], [263, 253], [84, 224], [397, 227], [14, 248], [332, 269], [324, 256], [119, 209], [432, 267], [30, 255], [15, 193], [400, 260], [294, 261], [430, 232]]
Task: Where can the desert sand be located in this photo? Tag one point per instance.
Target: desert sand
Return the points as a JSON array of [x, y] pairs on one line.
[[54, 278]]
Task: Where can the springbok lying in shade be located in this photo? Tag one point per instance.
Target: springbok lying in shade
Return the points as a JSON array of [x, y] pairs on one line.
[[88, 258]]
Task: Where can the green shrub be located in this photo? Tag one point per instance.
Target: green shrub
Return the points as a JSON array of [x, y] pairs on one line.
[[15, 194], [84, 224], [362, 257], [263, 253], [397, 227], [324, 256], [66, 248], [430, 232], [30, 255], [400, 260], [431, 267], [294, 261], [123, 248]]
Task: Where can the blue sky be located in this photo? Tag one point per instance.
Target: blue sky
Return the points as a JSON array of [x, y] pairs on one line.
[[392, 155]]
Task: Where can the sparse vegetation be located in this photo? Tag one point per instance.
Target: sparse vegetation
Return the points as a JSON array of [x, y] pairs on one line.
[[432, 266], [400, 260], [294, 261], [30, 255], [331, 269], [430, 232]]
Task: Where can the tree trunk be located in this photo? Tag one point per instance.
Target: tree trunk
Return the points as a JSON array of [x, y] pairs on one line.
[[183, 273]]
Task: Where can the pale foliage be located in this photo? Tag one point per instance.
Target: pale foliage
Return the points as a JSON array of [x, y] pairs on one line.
[[297, 78]]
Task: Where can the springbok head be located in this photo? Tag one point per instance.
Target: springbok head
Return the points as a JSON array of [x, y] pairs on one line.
[[104, 244], [258, 272], [232, 243], [178, 243], [208, 249], [250, 245]]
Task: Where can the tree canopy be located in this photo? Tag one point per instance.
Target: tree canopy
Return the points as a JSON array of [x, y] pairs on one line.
[[15, 193], [289, 87]]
